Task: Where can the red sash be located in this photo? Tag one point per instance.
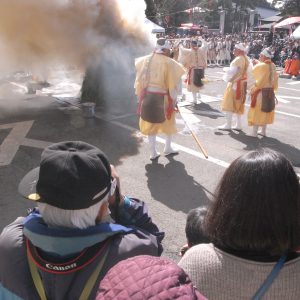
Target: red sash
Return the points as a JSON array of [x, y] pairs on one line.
[[238, 94], [189, 76], [254, 97]]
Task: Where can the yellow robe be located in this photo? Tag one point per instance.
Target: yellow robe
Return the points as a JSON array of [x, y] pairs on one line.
[[191, 58], [261, 74], [230, 103], [163, 73]]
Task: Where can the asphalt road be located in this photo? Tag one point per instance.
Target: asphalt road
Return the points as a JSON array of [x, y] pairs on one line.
[[172, 185]]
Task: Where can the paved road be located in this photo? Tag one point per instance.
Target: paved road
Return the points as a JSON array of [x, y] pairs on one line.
[[172, 185]]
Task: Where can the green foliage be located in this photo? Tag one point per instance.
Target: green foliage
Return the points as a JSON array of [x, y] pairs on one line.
[[292, 7], [150, 10], [174, 9]]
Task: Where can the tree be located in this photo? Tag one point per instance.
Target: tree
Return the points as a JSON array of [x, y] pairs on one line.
[[168, 10], [151, 10], [292, 7]]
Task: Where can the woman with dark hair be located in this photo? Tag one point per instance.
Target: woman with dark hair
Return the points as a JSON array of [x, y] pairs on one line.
[[254, 226]]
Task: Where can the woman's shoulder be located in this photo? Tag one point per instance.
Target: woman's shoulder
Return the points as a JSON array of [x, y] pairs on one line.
[[202, 248], [201, 253]]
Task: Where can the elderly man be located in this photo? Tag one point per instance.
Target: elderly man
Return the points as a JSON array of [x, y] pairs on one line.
[[63, 248], [195, 61], [261, 112], [157, 85], [235, 93]]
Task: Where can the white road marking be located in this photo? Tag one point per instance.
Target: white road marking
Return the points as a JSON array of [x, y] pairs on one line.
[[12, 142], [293, 83], [196, 153], [180, 147], [208, 98], [280, 99], [215, 77], [186, 113], [216, 99], [290, 89], [187, 150], [287, 114], [19, 85], [288, 97], [282, 113], [36, 143], [15, 139], [204, 98]]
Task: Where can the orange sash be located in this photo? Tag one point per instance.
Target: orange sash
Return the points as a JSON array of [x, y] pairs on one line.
[[238, 95], [254, 97]]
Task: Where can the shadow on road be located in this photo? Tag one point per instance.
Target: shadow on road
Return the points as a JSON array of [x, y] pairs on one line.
[[171, 185], [52, 126], [252, 143], [205, 110]]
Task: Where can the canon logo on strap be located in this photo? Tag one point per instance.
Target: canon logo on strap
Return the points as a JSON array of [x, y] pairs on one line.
[[61, 268]]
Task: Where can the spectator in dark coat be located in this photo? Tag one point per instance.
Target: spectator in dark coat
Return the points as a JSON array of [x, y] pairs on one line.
[[82, 227]]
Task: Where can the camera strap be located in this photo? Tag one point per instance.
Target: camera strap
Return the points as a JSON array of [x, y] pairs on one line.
[[269, 280], [89, 284]]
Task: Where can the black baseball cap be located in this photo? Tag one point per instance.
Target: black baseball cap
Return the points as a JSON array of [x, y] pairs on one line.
[[72, 175]]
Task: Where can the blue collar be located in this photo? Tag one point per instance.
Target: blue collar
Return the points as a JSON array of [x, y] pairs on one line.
[[67, 241]]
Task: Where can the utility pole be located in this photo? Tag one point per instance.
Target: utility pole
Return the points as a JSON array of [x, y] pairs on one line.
[[192, 11]]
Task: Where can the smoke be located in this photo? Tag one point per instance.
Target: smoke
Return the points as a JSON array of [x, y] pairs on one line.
[[100, 36], [38, 34]]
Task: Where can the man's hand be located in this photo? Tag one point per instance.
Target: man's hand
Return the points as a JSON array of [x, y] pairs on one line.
[[183, 249], [115, 192]]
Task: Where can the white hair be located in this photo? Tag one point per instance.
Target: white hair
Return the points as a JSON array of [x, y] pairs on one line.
[[80, 218]]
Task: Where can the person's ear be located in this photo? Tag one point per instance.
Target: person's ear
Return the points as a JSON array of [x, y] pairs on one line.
[[102, 212]]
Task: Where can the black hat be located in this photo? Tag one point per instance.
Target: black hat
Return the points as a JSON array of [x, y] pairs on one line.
[[72, 175]]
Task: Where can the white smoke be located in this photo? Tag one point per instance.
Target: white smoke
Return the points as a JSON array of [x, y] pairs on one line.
[[37, 34]]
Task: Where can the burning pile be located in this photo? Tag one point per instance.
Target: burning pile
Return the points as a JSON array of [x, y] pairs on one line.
[[35, 35]]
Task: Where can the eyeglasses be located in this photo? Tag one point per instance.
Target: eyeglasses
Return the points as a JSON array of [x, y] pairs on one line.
[[113, 186]]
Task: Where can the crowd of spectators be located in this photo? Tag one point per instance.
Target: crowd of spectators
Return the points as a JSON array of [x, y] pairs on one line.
[[88, 241], [282, 45]]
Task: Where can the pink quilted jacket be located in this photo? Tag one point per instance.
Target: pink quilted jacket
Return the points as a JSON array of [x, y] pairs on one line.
[[147, 277]]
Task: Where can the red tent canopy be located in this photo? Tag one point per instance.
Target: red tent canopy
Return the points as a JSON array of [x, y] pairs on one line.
[[288, 21], [190, 26]]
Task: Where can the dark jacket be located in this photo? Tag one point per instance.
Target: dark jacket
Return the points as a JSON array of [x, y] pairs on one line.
[[58, 253]]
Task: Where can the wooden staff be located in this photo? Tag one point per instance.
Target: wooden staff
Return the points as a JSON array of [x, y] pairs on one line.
[[193, 134]]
